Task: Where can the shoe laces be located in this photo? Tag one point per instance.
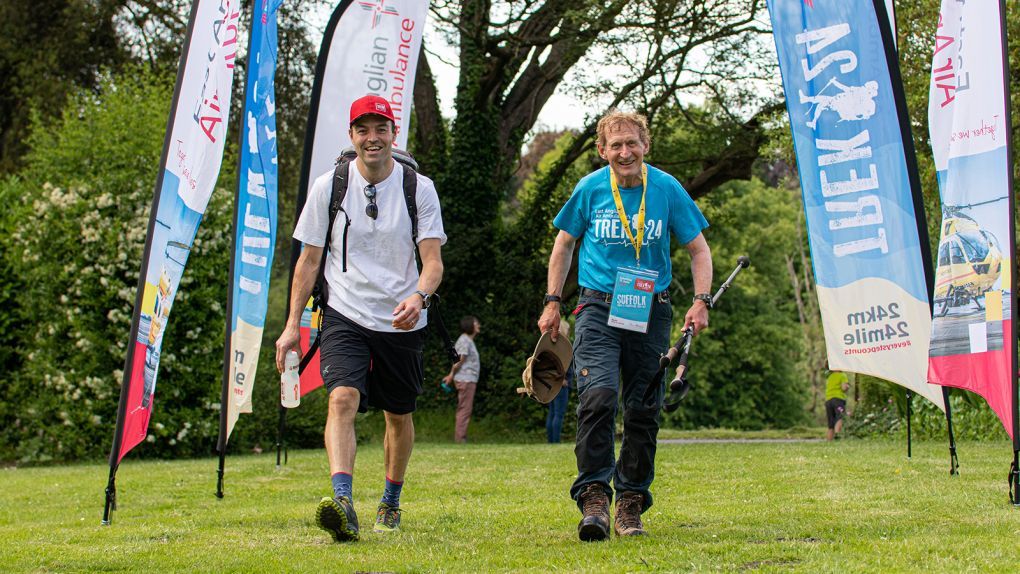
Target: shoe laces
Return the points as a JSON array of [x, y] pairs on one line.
[[387, 515], [628, 513], [594, 501]]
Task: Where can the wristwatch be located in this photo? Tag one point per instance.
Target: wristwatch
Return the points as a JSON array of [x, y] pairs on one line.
[[424, 298], [550, 298], [704, 297]]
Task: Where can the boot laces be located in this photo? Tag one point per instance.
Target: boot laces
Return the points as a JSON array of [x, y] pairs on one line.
[[629, 511], [595, 501]]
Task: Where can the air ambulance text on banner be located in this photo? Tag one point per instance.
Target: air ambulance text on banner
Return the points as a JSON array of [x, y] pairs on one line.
[[857, 194], [370, 47], [972, 332], [373, 49], [192, 153]]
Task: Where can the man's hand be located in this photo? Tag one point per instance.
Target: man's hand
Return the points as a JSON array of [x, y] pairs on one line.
[[448, 379], [407, 313], [550, 320], [289, 340], [698, 316]]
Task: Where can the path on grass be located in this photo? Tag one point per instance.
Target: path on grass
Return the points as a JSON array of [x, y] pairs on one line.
[[734, 440]]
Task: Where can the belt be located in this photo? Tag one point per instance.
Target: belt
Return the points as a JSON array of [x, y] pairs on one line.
[[661, 296]]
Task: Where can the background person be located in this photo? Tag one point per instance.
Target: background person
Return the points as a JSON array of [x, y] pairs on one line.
[[558, 406], [626, 212], [371, 335], [464, 375], [836, 386]]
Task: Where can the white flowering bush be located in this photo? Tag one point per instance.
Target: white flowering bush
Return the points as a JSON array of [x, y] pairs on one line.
[[74, 236]]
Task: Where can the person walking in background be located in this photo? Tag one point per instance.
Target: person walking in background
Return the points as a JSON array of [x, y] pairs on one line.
[[464, 375], [558, 406], [836, 385]]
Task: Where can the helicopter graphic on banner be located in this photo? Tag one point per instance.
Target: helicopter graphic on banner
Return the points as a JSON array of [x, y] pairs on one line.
[[969, 261]]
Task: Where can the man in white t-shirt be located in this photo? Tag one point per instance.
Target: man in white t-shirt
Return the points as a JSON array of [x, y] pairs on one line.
[[371, 335]]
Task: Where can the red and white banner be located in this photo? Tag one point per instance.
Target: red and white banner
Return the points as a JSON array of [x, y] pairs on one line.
[[370, 47], [973, 334], [192, 154]]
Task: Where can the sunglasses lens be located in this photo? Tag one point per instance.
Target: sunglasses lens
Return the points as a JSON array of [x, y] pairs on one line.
[[372, 210], [370, 192]]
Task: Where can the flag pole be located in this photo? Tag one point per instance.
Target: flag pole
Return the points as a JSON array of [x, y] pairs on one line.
[[921, 219], [1014, 471], [910, 401], [954, 463], [221, 442], [125, 386]]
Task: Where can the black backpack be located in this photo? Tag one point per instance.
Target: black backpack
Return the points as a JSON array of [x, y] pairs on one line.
[[320, 294]]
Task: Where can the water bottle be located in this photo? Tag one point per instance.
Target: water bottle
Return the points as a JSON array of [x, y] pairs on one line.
[[290, 381]]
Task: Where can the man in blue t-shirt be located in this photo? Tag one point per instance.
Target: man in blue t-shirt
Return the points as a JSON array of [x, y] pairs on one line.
[[625, 215]]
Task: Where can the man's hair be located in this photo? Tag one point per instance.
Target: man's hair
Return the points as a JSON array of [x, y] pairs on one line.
[[467, 324], [615, 118], [393, 124]]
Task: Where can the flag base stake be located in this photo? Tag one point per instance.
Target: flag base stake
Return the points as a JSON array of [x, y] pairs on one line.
[[1014, 480], [219, 475], [111, 499]]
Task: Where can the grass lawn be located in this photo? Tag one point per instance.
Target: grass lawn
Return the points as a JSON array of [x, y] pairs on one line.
[[849, 506]]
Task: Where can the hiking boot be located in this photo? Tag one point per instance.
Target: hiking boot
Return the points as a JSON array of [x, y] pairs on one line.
[[628, 514], [594, 525], [387, 518], [336, 516]]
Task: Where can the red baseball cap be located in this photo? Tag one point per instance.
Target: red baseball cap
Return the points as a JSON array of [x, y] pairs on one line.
[[371, 105]]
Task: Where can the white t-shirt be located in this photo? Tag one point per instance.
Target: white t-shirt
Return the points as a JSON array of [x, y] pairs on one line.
[[381, 271]]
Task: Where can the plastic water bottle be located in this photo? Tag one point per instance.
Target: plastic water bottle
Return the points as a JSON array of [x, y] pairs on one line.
[[290, 381]]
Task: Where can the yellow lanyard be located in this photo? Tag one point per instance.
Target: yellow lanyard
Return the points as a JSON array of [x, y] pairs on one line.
[[623, 213]]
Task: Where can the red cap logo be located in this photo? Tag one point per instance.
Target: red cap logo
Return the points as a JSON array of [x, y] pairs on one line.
[[371, 105]]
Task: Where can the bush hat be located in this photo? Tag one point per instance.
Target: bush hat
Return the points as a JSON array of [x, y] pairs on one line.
[[546, 369]]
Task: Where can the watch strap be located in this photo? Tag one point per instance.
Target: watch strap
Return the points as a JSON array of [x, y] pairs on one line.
[[705, 297]]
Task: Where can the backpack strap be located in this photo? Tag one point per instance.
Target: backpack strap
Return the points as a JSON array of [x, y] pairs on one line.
[[320, 294]]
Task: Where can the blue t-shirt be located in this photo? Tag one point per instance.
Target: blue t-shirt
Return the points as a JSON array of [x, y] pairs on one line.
[[590, 214]]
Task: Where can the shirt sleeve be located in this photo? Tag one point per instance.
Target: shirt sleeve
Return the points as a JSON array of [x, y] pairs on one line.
[[685, 219], [314, 220], [430, 215], [462, 346], [573, 217]]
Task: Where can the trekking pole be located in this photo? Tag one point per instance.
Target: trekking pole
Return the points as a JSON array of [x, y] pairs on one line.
[[679, 386]]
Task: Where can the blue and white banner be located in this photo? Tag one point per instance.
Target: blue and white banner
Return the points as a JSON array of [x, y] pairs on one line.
[[858, 198], [256, 215]]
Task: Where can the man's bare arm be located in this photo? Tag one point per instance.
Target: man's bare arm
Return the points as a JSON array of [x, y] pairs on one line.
[[559, 266], [407, 313], [701, 269], [305, 273]]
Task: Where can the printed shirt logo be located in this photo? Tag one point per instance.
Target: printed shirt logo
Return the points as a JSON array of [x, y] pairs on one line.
[[378, 8]]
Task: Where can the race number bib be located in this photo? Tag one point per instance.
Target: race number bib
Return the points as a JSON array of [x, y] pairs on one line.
[[632, 299]]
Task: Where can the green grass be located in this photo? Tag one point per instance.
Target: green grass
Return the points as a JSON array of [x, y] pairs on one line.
[[848, 506]]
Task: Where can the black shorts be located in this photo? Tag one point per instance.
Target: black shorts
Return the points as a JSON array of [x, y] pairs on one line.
[[386, 368], [834, 409]]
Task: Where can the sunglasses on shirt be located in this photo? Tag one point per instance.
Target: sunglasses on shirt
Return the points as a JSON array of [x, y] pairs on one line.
[[371, 210]]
